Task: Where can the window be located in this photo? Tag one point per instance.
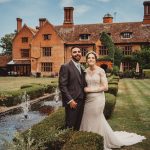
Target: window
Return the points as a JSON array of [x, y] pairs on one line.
[[46, 36], [126, 66], [84, 37], [24, 39], [103, 50], [83, 51], [46, 67], [25, 53], [127, 50], [126, 35], [47, 51]]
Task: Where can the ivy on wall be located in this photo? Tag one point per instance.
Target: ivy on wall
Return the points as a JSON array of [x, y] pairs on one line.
[[107, 41]]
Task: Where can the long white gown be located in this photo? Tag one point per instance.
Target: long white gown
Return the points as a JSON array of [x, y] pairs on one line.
[[93, 118]]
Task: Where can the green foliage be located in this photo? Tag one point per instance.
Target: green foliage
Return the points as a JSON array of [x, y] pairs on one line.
[[112, 88], [12, 98], [107, 41], [84, 141], [25, 86], [118, 56], [146, 73], [115, 70], [143, 57], [51, 133], [6, 43], [109, 105]]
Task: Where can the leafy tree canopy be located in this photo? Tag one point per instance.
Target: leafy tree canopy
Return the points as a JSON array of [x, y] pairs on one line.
[[6, 43]]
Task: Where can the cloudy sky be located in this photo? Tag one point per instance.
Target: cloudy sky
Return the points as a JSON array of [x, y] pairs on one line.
[[85, 11]]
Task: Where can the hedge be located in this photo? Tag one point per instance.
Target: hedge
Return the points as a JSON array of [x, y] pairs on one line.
[[51, 135], [109, 105], [84, 141], [146, 73], [112, 89], [12, 98]]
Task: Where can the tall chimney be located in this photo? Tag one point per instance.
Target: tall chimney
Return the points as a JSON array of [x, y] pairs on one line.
[[68, 16], [146, 19], [41, 21], [108, 18], [19, 24]]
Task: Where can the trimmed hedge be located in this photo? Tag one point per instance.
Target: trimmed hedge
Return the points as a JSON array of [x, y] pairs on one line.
[[146, 73], [109, 105], [51, 135], [12, 98], [84, 141], [112, 88]]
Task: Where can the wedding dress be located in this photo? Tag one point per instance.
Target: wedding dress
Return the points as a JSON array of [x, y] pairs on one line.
[[93, 118]]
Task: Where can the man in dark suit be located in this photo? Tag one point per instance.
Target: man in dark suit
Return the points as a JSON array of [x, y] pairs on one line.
[[71, 85]]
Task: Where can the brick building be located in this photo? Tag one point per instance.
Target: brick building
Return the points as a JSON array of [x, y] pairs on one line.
[[45, 48], [4, 59]]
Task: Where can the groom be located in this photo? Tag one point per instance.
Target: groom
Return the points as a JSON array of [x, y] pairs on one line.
[[71, 85]]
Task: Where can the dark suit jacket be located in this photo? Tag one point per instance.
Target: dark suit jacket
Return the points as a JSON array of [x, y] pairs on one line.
[[71, 82]]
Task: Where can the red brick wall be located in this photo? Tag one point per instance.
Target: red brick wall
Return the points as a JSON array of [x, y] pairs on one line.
[[18, 45], [57, 45]]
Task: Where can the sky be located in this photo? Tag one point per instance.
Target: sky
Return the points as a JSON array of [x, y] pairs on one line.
[[85, 12]]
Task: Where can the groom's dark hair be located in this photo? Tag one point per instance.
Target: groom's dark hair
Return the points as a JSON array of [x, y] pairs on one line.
[[74, 47]]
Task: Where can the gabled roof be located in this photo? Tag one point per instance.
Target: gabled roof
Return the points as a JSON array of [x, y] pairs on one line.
[[47, 22], [140, 32], [33, 31]]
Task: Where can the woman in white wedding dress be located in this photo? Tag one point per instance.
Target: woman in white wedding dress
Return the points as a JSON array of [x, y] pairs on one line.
[[93, 118]]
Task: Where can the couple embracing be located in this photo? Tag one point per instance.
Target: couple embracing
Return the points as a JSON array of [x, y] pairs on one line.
[[84, 100]]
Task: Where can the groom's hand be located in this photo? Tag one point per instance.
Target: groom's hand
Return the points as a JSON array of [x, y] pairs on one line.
[[73, 104]]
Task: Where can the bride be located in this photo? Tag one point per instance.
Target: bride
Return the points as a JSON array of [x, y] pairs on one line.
[[93, 118]]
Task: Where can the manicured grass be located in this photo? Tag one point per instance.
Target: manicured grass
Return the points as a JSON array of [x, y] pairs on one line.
[[132, 110], [14, 83]]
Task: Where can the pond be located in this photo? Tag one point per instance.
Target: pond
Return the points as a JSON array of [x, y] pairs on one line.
[[25, 117]]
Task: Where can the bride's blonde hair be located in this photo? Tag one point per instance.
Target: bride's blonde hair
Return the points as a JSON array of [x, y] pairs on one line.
[[91, 52]]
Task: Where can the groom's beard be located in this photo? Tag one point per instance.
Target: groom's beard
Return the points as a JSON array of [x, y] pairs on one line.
[[76, 58]]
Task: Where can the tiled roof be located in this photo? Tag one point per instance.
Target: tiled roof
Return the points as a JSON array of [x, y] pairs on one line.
[[140, 32], [34, 31], [4, 60]]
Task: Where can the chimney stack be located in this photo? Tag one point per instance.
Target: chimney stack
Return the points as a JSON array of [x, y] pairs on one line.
[[146, 19], [19, 24], [41, 22], [108, 18], [68, 16]]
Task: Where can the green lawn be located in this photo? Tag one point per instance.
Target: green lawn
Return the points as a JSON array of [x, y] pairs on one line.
[[132, 111], [14, 83]]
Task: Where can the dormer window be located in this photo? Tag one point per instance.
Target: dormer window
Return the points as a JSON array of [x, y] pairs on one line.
[[24, 39], [46, 36], [126, 35], [84, 36]]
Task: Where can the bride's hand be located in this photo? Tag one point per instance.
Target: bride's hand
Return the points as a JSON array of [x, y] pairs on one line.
[[87, 89]]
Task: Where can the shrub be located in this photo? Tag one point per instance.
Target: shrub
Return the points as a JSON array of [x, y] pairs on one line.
[[51, 134], [84, 141], [109, 105], [146, 73], [25, 86], [51, 87], [113, 88]]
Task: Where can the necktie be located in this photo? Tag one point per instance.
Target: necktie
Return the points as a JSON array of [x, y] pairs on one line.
[[78, 67]]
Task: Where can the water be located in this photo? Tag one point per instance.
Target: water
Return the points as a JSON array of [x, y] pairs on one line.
[[25, 117]]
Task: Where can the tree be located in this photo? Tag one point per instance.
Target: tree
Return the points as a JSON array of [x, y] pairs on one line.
[[107, 41], [118, 56], [142, 57], [6, 43]]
